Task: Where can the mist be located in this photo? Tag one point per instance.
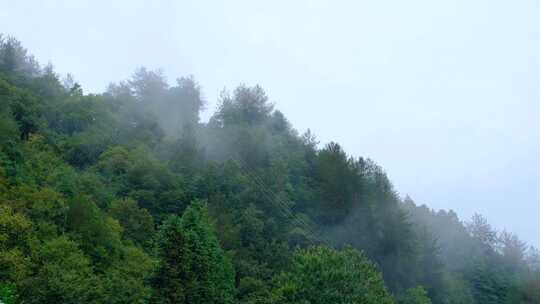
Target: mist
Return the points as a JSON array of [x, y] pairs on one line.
[[442, 95], [391, 143]]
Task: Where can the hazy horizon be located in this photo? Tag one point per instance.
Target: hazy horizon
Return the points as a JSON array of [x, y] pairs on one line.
[[442, 95]]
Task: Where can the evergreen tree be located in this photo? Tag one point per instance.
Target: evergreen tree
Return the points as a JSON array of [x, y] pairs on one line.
[[192, 267], [85, 177]]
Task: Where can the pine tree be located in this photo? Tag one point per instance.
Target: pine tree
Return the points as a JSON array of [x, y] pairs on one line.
[[193, 267]]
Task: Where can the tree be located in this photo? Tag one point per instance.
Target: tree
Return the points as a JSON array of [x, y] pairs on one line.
[[24, 107], [513, 250], [187, 153], [7, 294], [192, 268], [64, 275], [481, 230], [138, 224], [489, 284], [43, 205], [14, 58], [321, 275], [182, 106], [84, 179], [430, 266], [417, 295], [148, 85], [9, 131], [530, 288], [337, 183], [247, 106], [125, 280], [98, 234], [15, 229]]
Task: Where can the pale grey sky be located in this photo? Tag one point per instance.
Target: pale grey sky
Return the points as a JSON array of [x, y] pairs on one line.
[[443, 94]]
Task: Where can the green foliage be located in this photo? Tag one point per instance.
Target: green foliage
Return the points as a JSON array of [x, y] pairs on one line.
[[9, 131], [417, 295], [193, 268], [125, 280], [247, 106], [489, 284], [99, 235], [322, 275], [338, 182], [530, 289], [42, 167], [7, 294], [137, 223], [64, 275], [43, 205], [23, 107], [15, 229], [85, 180], [15, 59]]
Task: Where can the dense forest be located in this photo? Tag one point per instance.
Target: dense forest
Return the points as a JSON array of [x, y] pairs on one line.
[[128, 197]]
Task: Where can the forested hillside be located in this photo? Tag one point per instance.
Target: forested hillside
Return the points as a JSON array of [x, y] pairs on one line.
[[127, 197]]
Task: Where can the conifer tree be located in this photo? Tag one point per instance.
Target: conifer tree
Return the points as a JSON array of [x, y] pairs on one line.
[[193, 267]]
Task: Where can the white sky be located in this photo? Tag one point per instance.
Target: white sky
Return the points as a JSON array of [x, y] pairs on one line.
[[443, 94]]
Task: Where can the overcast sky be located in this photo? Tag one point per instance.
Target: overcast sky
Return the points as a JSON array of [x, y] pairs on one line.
[[443, 94]]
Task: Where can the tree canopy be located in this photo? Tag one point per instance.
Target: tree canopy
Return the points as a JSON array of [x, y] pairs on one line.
[[128, 197]]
